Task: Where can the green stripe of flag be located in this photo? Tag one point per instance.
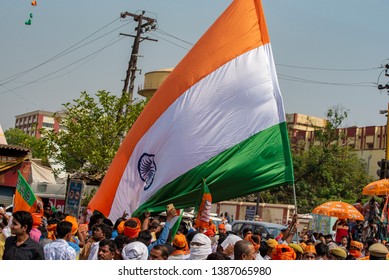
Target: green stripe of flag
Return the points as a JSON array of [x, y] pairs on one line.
[[260, 162]]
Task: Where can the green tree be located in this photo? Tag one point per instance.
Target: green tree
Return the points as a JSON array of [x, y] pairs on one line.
[[18, 137], [91, 132], [326, 171]]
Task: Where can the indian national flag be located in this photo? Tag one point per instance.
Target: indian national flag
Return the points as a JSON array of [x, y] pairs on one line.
[[219, 115]]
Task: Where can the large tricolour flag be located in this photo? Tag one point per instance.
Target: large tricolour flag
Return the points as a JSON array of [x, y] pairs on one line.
[[219, 115]]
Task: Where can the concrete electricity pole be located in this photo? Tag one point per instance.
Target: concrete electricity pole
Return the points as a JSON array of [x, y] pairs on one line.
[[384, 164], [144, 24]]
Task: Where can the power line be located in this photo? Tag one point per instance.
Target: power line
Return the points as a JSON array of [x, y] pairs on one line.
[[60, 54], [171, 42], [328, 69], [75, 62], [168, 34], [301, 80]]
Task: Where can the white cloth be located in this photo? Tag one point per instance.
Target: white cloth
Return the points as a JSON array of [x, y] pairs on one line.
[[200, 247], [135, 251], [179, 257], [230, 240]]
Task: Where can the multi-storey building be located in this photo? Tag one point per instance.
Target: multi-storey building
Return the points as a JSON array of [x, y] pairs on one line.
[[369, 142], [32, 122]]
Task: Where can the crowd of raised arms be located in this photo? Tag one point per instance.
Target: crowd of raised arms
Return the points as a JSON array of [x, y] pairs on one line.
[[52, 235]]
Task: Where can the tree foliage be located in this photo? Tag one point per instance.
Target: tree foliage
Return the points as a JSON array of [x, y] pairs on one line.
[[91, 132], [18, 137], [327, 171]]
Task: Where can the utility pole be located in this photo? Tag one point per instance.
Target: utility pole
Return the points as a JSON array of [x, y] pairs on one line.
[[144, 24], [385, 162]]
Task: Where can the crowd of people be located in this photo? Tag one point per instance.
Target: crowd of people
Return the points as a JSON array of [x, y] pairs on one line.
[[52, 235]]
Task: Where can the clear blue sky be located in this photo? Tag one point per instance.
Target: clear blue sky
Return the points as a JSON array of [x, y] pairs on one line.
[[308, 39]]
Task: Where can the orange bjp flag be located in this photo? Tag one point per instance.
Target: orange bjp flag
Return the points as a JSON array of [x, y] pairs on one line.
[[25, 199], [204, 209]]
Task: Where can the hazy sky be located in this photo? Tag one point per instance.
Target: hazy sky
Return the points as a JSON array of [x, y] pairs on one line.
[[327, 53]]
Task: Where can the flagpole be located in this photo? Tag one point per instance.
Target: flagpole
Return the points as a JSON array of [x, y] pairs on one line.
[[295, 209]]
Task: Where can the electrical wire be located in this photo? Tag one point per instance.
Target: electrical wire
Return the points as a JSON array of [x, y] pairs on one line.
[[60, 54], [60, 69], [171, 42], [328, 69], [301, 80], [168, 34]]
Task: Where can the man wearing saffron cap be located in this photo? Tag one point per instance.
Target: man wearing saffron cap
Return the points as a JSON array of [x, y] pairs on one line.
[[283, 252], [309, 253], [355, 249], [271, 243], [181, 249], [212, 226], [132, 227]]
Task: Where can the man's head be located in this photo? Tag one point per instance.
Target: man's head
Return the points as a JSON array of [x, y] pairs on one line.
[[309, 253], [64, 230], [132, 227], [154, 224], [246, 231], [21, 223], [120, 241], [244, 250], [328, 238], [222, 229], [159, 252], [101, 231], [96, 218], [179, 242], [107, 249], [145, 237]]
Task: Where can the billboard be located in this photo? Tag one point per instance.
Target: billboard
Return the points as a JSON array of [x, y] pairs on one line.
[[73, 197]]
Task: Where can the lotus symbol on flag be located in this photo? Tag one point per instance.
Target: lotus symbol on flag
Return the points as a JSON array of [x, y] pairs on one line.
[[147, 169]]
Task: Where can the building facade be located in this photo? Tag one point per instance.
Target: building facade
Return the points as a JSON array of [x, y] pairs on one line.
[[369, 142], [32, 122]]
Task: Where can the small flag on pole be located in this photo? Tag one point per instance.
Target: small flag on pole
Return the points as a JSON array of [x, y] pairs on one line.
[[175, 224], [204, 208], [25, 198]]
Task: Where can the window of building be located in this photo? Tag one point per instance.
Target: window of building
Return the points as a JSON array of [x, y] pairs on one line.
[[47, 125]]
